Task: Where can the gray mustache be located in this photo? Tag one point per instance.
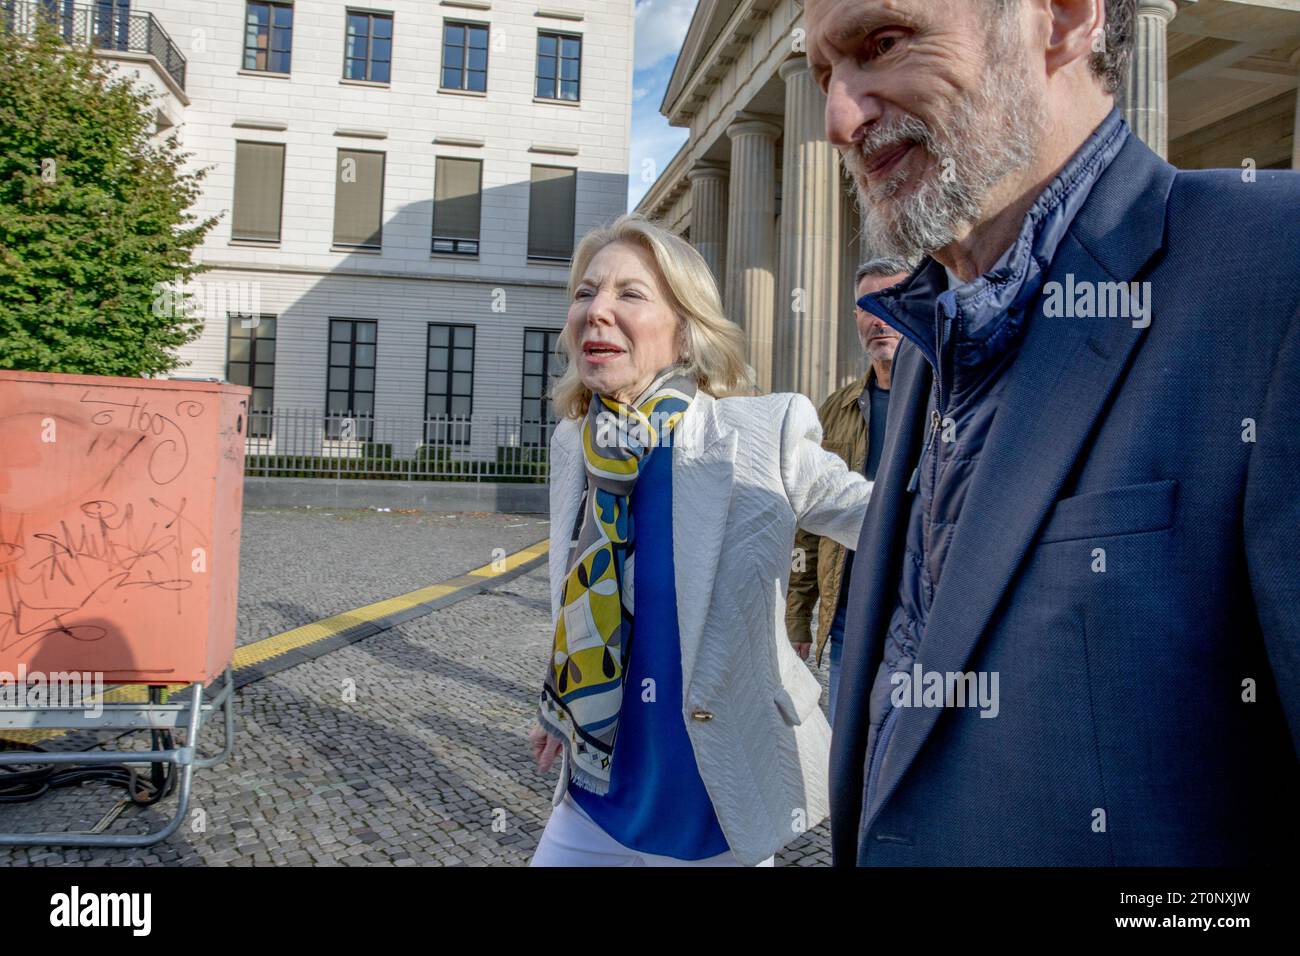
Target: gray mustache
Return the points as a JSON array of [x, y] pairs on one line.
[[907, 129]]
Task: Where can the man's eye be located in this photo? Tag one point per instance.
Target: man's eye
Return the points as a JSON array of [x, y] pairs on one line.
[[884, 44]]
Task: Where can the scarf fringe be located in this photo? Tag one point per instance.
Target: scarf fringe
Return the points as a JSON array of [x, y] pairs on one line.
[[586, 781]]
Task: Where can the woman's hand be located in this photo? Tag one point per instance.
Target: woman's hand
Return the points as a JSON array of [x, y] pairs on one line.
[[545, 749]]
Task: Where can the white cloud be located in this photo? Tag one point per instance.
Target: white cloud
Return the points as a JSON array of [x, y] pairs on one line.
[[660, 29]]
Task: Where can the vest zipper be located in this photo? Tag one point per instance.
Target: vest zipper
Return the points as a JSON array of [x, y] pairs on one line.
[[935, 421], [940, 400]]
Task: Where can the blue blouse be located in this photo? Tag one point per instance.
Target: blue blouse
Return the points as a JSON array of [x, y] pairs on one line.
[[656, 801]]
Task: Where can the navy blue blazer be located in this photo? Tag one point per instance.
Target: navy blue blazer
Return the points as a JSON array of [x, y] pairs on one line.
[[1149, 713]]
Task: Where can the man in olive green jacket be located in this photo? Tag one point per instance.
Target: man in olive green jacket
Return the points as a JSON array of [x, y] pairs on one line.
[[853, 427]]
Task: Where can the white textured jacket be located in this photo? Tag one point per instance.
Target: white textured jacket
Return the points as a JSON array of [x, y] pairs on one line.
[[746, 471]]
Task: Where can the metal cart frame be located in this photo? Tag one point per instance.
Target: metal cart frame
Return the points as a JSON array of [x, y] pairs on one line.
[[185, 709]]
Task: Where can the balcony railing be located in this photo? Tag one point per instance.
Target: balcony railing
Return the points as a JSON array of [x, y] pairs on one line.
[[105, 26], [308, 443]]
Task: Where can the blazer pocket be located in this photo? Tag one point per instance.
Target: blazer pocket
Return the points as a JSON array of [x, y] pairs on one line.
[[798, 695], [1130, 509]]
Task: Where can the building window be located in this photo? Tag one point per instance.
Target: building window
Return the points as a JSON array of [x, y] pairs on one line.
[[551, 200], [59, 14], [250, 360], [359, 199], [541, 366], [457, 195], [464, 56], [259, 190], [368, 50], [268, 37], [449, 383], [113, 24], [559, 66], [350, 390]]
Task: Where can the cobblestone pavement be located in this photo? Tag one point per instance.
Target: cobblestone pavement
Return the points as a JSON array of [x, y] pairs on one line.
[[299, 565], [407, 748]]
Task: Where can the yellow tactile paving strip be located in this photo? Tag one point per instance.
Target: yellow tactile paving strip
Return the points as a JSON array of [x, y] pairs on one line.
[[269, 648]]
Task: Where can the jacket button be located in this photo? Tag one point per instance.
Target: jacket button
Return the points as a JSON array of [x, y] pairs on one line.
[[701, 715]]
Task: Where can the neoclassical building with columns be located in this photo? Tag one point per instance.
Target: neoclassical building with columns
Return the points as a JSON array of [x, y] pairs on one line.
[[759, 192]]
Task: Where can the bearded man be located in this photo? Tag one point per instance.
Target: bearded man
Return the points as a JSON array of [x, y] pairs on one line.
[[1073, 633]]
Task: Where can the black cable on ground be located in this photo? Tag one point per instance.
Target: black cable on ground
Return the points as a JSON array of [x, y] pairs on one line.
[[22, 784]]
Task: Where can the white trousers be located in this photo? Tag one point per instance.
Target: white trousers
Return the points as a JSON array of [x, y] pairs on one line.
[[572, 838]]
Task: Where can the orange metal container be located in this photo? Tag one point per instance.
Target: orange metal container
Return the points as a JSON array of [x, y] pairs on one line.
[[120, 508]]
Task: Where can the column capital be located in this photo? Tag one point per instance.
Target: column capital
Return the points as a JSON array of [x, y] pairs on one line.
[[797, 64], [1166, 8], [707, 171], [753, 123]]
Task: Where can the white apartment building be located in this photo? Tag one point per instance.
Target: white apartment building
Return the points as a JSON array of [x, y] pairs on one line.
[[400, 186]]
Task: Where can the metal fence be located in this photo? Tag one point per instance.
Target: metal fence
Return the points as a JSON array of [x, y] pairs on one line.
[[106, 26], [309, 443]]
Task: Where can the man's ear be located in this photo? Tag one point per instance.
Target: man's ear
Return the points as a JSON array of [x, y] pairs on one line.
[[1078, 31]]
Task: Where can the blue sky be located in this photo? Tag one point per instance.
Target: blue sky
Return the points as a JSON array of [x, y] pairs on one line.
[[660, 29]]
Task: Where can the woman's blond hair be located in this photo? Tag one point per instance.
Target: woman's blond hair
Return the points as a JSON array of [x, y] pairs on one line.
[[710, 346]]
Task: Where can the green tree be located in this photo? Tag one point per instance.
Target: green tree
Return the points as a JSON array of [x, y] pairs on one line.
[[94, 217]]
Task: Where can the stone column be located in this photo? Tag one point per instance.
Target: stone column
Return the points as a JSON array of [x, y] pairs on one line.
[[851, 361], [1295, 125], [709, 217], [1146, 105], [751, 238], [807, 301]]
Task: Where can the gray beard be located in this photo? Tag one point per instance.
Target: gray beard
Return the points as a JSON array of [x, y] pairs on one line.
[[972, 155]]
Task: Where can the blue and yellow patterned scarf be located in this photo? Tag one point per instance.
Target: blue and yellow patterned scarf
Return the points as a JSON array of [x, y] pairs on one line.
[[583, 693]]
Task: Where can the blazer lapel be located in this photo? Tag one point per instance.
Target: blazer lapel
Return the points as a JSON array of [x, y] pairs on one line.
[[1060, 382], [704, 456], [873, 586]]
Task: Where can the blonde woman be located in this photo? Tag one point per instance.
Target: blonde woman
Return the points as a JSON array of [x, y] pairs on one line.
[[688, 727]]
